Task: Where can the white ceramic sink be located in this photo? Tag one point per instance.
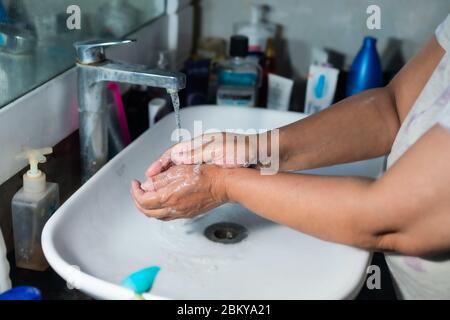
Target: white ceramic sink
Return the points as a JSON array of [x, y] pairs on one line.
[[98, 237]]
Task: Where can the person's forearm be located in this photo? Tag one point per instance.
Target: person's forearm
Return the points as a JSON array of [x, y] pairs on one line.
[[358, 128], [330, 208]]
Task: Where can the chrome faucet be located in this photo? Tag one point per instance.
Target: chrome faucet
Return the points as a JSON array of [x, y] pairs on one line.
[[94, 69]]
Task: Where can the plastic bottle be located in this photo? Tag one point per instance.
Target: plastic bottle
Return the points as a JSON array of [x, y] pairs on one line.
[[212, 48], [5, 281], [238, 77], [31, 207], [365, 72], [21, 293], [3, 14], [258, 30], [269, 66], [155, 109], [136, 100]]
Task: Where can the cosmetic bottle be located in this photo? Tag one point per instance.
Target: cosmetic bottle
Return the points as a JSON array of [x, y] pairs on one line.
[[31, 207], [238, 77], [268, 67], [258, 30], [365, 72]]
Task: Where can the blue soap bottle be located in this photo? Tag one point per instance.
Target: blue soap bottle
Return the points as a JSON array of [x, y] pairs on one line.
[[365, 72]]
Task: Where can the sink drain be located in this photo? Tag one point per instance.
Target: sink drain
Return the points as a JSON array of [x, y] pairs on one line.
[[226, 232]]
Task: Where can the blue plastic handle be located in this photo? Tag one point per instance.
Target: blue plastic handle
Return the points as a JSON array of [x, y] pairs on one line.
[[142, 280], [21, 293]]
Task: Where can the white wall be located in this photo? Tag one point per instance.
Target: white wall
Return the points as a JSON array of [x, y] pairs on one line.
[[335, 24]]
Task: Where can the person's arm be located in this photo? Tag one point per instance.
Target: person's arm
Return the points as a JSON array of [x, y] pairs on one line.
[[407, 210], [360, 127]]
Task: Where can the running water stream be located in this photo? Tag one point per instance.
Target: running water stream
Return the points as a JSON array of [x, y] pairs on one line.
[[176, 107]]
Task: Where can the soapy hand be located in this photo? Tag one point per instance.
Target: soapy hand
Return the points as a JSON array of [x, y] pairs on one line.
[[187, 179], [227, 150], [182, 191]]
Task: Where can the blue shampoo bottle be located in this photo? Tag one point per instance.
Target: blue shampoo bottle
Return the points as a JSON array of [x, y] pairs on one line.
[[365, 72]]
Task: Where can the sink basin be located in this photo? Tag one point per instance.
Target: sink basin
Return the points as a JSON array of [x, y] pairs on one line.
[[98, 237]]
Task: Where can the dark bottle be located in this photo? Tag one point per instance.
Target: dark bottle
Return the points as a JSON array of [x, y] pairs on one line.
[[137, 98], [269, 66], [136, 101]]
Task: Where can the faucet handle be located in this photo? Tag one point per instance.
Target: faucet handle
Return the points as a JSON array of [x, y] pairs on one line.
[[92, 51]]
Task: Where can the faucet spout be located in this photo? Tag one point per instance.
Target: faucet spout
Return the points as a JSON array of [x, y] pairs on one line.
[[94, 70], [136, 74]]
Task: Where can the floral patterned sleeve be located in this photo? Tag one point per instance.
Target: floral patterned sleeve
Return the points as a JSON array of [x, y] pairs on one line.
[[445, 119], [443, 34], [443, 37]]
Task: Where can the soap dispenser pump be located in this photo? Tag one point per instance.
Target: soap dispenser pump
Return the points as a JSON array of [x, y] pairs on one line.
[[31, 207]]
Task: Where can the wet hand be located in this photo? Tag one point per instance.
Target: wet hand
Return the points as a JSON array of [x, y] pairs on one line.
[[182, 191], [226, 150]]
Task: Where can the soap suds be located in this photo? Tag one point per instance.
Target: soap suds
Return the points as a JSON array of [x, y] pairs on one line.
[[148, 185]]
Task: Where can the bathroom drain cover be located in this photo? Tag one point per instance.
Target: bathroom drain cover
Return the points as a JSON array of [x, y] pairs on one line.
[[226, 232]]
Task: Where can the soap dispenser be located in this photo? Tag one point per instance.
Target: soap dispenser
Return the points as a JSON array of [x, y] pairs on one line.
[[31, 207]]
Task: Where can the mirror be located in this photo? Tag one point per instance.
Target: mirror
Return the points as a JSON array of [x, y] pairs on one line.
[[36, 37]]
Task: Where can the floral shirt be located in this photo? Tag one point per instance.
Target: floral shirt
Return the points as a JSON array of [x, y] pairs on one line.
[[417, 278]]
